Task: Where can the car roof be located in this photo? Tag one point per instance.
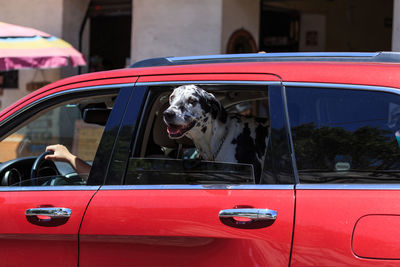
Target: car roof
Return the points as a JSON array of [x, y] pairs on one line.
[[361, 68], [376, 69], [301, 67], [272, 57]]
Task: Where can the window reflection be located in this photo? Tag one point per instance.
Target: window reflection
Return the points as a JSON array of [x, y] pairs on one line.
[[345, 135]]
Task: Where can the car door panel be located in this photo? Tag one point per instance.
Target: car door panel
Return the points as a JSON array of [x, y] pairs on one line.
[[47, 245], [179, 225], [347, 156], [30, 235], [326, 221], [182, 227]]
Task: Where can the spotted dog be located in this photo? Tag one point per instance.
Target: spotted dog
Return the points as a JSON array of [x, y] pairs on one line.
[[217, 135]]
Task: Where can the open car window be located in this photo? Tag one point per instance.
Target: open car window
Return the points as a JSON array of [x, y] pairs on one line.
[[165, 160]]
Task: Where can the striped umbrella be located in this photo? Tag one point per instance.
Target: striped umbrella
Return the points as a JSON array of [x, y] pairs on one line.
[[22, 47]]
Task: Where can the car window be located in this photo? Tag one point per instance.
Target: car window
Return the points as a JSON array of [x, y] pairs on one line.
[[61, 125], [77, 124], [162, 159], [345, 136]]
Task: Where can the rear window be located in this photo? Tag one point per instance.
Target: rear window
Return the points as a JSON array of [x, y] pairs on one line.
[[345, 136]]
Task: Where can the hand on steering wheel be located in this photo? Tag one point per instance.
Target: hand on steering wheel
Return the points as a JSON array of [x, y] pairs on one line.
[[36, 165]]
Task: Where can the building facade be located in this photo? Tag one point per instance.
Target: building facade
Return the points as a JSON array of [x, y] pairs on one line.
[[115, 33]]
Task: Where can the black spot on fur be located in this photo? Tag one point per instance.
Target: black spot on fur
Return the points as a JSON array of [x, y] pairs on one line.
[[204, 129], [246, 151], [205, 119], [237, 118], [204, 105], [211, 105], [261, 120], [261, 134], [223, 115], [182, 107], [203, 102], [217, 110]]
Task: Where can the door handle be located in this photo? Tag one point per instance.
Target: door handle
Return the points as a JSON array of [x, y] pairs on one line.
[[48, 216], [248, 218]]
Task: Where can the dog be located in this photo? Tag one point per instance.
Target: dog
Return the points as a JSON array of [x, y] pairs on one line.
[[217, 135]]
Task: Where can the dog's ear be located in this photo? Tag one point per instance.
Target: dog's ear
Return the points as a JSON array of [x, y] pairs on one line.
[[210, 104], [216, 108]]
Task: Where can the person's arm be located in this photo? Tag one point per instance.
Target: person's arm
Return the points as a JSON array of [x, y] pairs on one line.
[[61, 153]]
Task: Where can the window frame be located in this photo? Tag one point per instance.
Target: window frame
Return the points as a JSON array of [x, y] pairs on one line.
[[335, 86], [117, 172]]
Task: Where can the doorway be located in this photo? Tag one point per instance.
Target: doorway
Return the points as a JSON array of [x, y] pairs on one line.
[[279, 29], [110, 42]]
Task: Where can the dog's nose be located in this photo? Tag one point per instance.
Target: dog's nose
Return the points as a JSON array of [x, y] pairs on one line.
[[169, 114]]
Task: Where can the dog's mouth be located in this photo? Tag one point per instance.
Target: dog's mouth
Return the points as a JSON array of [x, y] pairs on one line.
[[179, 130]]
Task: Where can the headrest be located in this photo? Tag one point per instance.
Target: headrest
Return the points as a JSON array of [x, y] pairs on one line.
[[96, 115], [160, 134]]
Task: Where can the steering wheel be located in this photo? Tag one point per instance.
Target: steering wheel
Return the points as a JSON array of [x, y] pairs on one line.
[[35, 167]]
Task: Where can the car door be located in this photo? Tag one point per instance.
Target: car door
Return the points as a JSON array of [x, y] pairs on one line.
[[138, 218], [40, 218], [347, 153]]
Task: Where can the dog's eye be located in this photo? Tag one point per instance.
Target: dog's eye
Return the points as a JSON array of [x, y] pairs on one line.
[[171, 98], [192, 101]]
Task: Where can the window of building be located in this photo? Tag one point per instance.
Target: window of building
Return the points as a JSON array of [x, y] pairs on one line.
[[9, 79]]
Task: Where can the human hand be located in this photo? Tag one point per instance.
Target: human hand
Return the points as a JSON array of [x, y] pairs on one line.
[[60, 153]]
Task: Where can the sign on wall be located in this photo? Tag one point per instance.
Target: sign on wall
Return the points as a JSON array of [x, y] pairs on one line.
[[312, 33]]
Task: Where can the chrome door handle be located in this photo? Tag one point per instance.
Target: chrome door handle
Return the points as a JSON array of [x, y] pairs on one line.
[[48, 216], [253, 218], [51, 212]]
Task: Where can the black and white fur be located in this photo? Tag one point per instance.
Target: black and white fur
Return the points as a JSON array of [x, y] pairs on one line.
[[218, 136]]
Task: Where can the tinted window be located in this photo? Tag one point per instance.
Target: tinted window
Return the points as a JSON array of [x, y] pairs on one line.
[[186, 171], [345, 136]]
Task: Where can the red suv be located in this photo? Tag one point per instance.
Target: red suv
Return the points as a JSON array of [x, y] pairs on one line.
[[328, 193]]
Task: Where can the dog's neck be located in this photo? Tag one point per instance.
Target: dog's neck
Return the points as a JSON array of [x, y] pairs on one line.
[[209, 141]]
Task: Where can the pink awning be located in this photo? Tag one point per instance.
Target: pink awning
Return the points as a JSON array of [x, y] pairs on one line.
[[22, 47]]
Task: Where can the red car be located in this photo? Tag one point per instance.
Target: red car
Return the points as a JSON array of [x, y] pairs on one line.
[[328, 193]]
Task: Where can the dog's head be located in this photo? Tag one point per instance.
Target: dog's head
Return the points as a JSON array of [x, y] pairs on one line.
[[191, 107]]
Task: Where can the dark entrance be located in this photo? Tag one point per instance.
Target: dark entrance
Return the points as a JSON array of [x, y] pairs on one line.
[[110, 34], [279, 29]]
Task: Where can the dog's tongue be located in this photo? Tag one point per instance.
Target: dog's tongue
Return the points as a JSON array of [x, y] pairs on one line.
[[173, 130]]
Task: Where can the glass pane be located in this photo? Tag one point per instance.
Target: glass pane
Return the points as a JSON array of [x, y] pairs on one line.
[[55, 180], [345, 136], [172, 171], [76, 126], [62, 125]]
